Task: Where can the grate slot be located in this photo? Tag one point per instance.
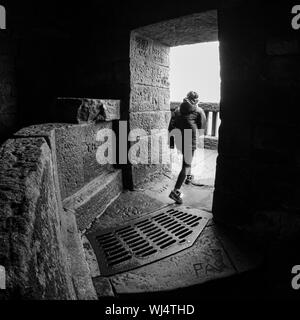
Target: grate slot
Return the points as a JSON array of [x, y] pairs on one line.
[[188, 218], [136, 244], [170, 224], [185, 234], [171, 229], [153, 233], [130, 236], [125, 230], [170, 210], [157, 235], [127, 233], [167, 221], [147, 227], [180, 216], [107, 246], [178, 213], [181, 232], [158, 215], [194, 220], [194, 225], [133, 239], [142, 222], [149, 253], [161, 219], [141, 247], [113, 263], [144, 250], [116, 251], [164, 240], [118, 246], [117, 256], [151, 229], [177, 229], [160, 238], [167, 244]]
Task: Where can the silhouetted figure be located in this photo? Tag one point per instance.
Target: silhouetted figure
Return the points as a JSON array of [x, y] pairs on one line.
[[188, 118]]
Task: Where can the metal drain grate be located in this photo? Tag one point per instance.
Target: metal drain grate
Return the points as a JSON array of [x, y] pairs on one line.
[[146, 239]]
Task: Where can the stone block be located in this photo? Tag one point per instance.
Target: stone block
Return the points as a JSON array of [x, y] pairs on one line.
[[142, 47], [34, 255], [76, 148], [160, 54], [149, 73], [147, 98], [149, 120], [83, 110]]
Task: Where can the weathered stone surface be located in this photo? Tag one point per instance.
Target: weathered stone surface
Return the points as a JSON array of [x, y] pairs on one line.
[[199, 27], [103, 287], [204, 261], [149, 73], [149, 96], [148, 172], [76, 148], [149, 120], [129, 205], [91, 201], [83, 110], [146, 98], [32, 249], [79, 268], [147, 49]]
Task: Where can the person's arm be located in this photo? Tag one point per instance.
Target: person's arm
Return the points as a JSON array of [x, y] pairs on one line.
[[172, 124], [201, 120]]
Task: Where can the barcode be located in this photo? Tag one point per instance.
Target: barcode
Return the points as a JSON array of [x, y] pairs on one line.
[[2, 278]]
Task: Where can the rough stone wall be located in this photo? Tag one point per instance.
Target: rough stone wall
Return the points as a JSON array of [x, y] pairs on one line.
[[32, 249], [258, 163], [149, 97], [8, 94]]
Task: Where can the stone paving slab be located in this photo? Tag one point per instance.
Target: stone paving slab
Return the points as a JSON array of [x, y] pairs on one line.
[[216, 253], [205, 260], [197, 197]]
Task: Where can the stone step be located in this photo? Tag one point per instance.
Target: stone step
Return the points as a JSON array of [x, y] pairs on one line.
[[92, 200]]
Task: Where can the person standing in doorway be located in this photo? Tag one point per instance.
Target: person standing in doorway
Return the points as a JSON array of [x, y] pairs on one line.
[[188, 118]]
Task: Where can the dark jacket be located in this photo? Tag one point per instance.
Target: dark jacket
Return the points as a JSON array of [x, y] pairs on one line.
[[188, 116]]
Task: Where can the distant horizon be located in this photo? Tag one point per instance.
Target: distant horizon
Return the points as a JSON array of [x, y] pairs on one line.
[[195, 67]]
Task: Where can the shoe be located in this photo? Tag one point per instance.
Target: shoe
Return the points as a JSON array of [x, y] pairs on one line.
[[189, 179], [176, 196]]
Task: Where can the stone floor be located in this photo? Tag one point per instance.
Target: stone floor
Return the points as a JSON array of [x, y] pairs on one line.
[[214, 255]]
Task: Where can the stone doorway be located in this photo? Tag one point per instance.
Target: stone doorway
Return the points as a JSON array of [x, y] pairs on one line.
[[150, 106]]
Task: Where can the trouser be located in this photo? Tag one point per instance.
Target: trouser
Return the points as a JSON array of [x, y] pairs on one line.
[[185, 169]]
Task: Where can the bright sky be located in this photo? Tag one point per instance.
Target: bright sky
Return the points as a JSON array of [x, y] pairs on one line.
[[195, 67]]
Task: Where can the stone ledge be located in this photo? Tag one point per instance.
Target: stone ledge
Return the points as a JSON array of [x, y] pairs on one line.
[[211, 143], [91, 201]]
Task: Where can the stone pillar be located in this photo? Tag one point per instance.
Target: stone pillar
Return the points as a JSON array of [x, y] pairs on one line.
[[256, 166], [149, 97]]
